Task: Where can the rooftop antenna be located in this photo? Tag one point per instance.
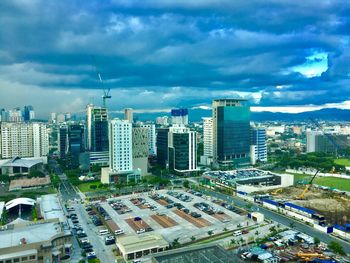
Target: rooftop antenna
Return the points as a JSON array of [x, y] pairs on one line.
[[106, 91]]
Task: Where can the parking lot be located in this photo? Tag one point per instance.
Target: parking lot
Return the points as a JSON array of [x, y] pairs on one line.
[[174, 214]]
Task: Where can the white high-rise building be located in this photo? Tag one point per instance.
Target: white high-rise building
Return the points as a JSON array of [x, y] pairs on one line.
[[120, 145], [40, 140], [53, 117], [152, 150], [208, 136], [23, 140], [311, 140]]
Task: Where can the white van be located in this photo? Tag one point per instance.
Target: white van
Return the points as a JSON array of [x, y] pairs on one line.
[[237, 233], [103, 232], [119, 232]]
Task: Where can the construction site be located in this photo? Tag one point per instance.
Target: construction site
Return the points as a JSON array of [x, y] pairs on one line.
[[334, 206]]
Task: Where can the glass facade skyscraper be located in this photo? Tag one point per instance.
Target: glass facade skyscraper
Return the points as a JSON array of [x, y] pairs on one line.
[[231, 133]]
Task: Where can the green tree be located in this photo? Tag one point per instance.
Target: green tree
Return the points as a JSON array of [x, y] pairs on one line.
[[210, 232], [336, 248], [291, 224], [34, 214], [186, 184], [317, 241], [193, 238]]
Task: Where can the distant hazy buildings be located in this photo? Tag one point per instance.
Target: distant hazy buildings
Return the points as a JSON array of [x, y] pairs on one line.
[[317, 141], [182, 149], [231, 132], [15, 115], [258, 148], [162, 121], [179, 116], [162, 147], [206, 159], [28, 113], [129, 115], [23, 140]]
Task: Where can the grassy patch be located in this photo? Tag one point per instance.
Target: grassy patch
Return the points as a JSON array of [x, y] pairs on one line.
[[90, 187], [329, 181], [339, 183], [345, 162]]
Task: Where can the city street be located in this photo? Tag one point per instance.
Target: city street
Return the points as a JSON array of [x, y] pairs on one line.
[[280, 219]]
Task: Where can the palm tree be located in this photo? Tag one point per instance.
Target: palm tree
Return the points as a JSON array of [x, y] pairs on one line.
[[193, 238], [256, 234], [291, 224], [210, 232]]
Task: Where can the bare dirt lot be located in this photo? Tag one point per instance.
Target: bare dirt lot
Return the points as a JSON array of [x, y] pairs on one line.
[[137, 225], [335, 207], [198, 222], [164, 221]]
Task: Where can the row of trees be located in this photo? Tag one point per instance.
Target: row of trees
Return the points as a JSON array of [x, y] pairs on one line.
[[322, 161]]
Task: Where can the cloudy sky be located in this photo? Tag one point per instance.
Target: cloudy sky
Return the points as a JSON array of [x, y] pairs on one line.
[[286, 55]]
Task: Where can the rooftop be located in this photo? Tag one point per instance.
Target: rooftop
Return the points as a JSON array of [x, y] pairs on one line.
[[30, 232], [20, 162], [50, 207], [202, 254], [19, 201], [231, 177], [130, 244]]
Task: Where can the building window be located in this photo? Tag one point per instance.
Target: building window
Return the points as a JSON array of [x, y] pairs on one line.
[[16, 260], [32, 257]]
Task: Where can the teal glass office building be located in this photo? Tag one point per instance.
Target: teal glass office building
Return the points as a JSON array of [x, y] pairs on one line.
[[231, 130]]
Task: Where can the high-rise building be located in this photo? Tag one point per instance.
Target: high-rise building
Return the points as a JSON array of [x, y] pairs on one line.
[[231, 133], [151, 138], [182, 149], [53, 117], [179, 116], [317, 141], [120, 145], [23, 140], [60, 118], [120, 168], [63, 140], [258, 139], [28, 113], [140, 149], [97, 129], [164, 121], [76, 139], [207, 157], [4, 115], [208, 137], [128, 115], [162, 146], [40, 140], [15, 115]]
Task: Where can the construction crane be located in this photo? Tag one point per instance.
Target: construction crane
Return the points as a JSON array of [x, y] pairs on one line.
[[106, 92], [307, 187], [277, 191]]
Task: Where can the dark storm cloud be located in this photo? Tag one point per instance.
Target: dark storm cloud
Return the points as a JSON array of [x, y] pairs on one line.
[[184, 52]]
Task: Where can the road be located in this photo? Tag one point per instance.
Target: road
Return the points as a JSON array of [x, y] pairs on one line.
[[281, 219], [69, 195]]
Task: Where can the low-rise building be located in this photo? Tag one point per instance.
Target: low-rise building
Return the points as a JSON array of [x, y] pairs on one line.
[[132, 247], [31, 242]]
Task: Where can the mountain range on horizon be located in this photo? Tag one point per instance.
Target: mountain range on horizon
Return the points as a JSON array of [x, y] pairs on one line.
[[195, 115]]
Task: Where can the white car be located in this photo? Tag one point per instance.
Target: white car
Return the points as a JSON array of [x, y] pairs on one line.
[[119, 232], [140, 231]]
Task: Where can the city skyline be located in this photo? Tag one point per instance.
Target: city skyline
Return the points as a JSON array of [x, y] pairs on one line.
[[282, 56]]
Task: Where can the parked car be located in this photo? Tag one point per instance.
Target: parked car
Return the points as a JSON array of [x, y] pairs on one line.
[[140, 231]]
